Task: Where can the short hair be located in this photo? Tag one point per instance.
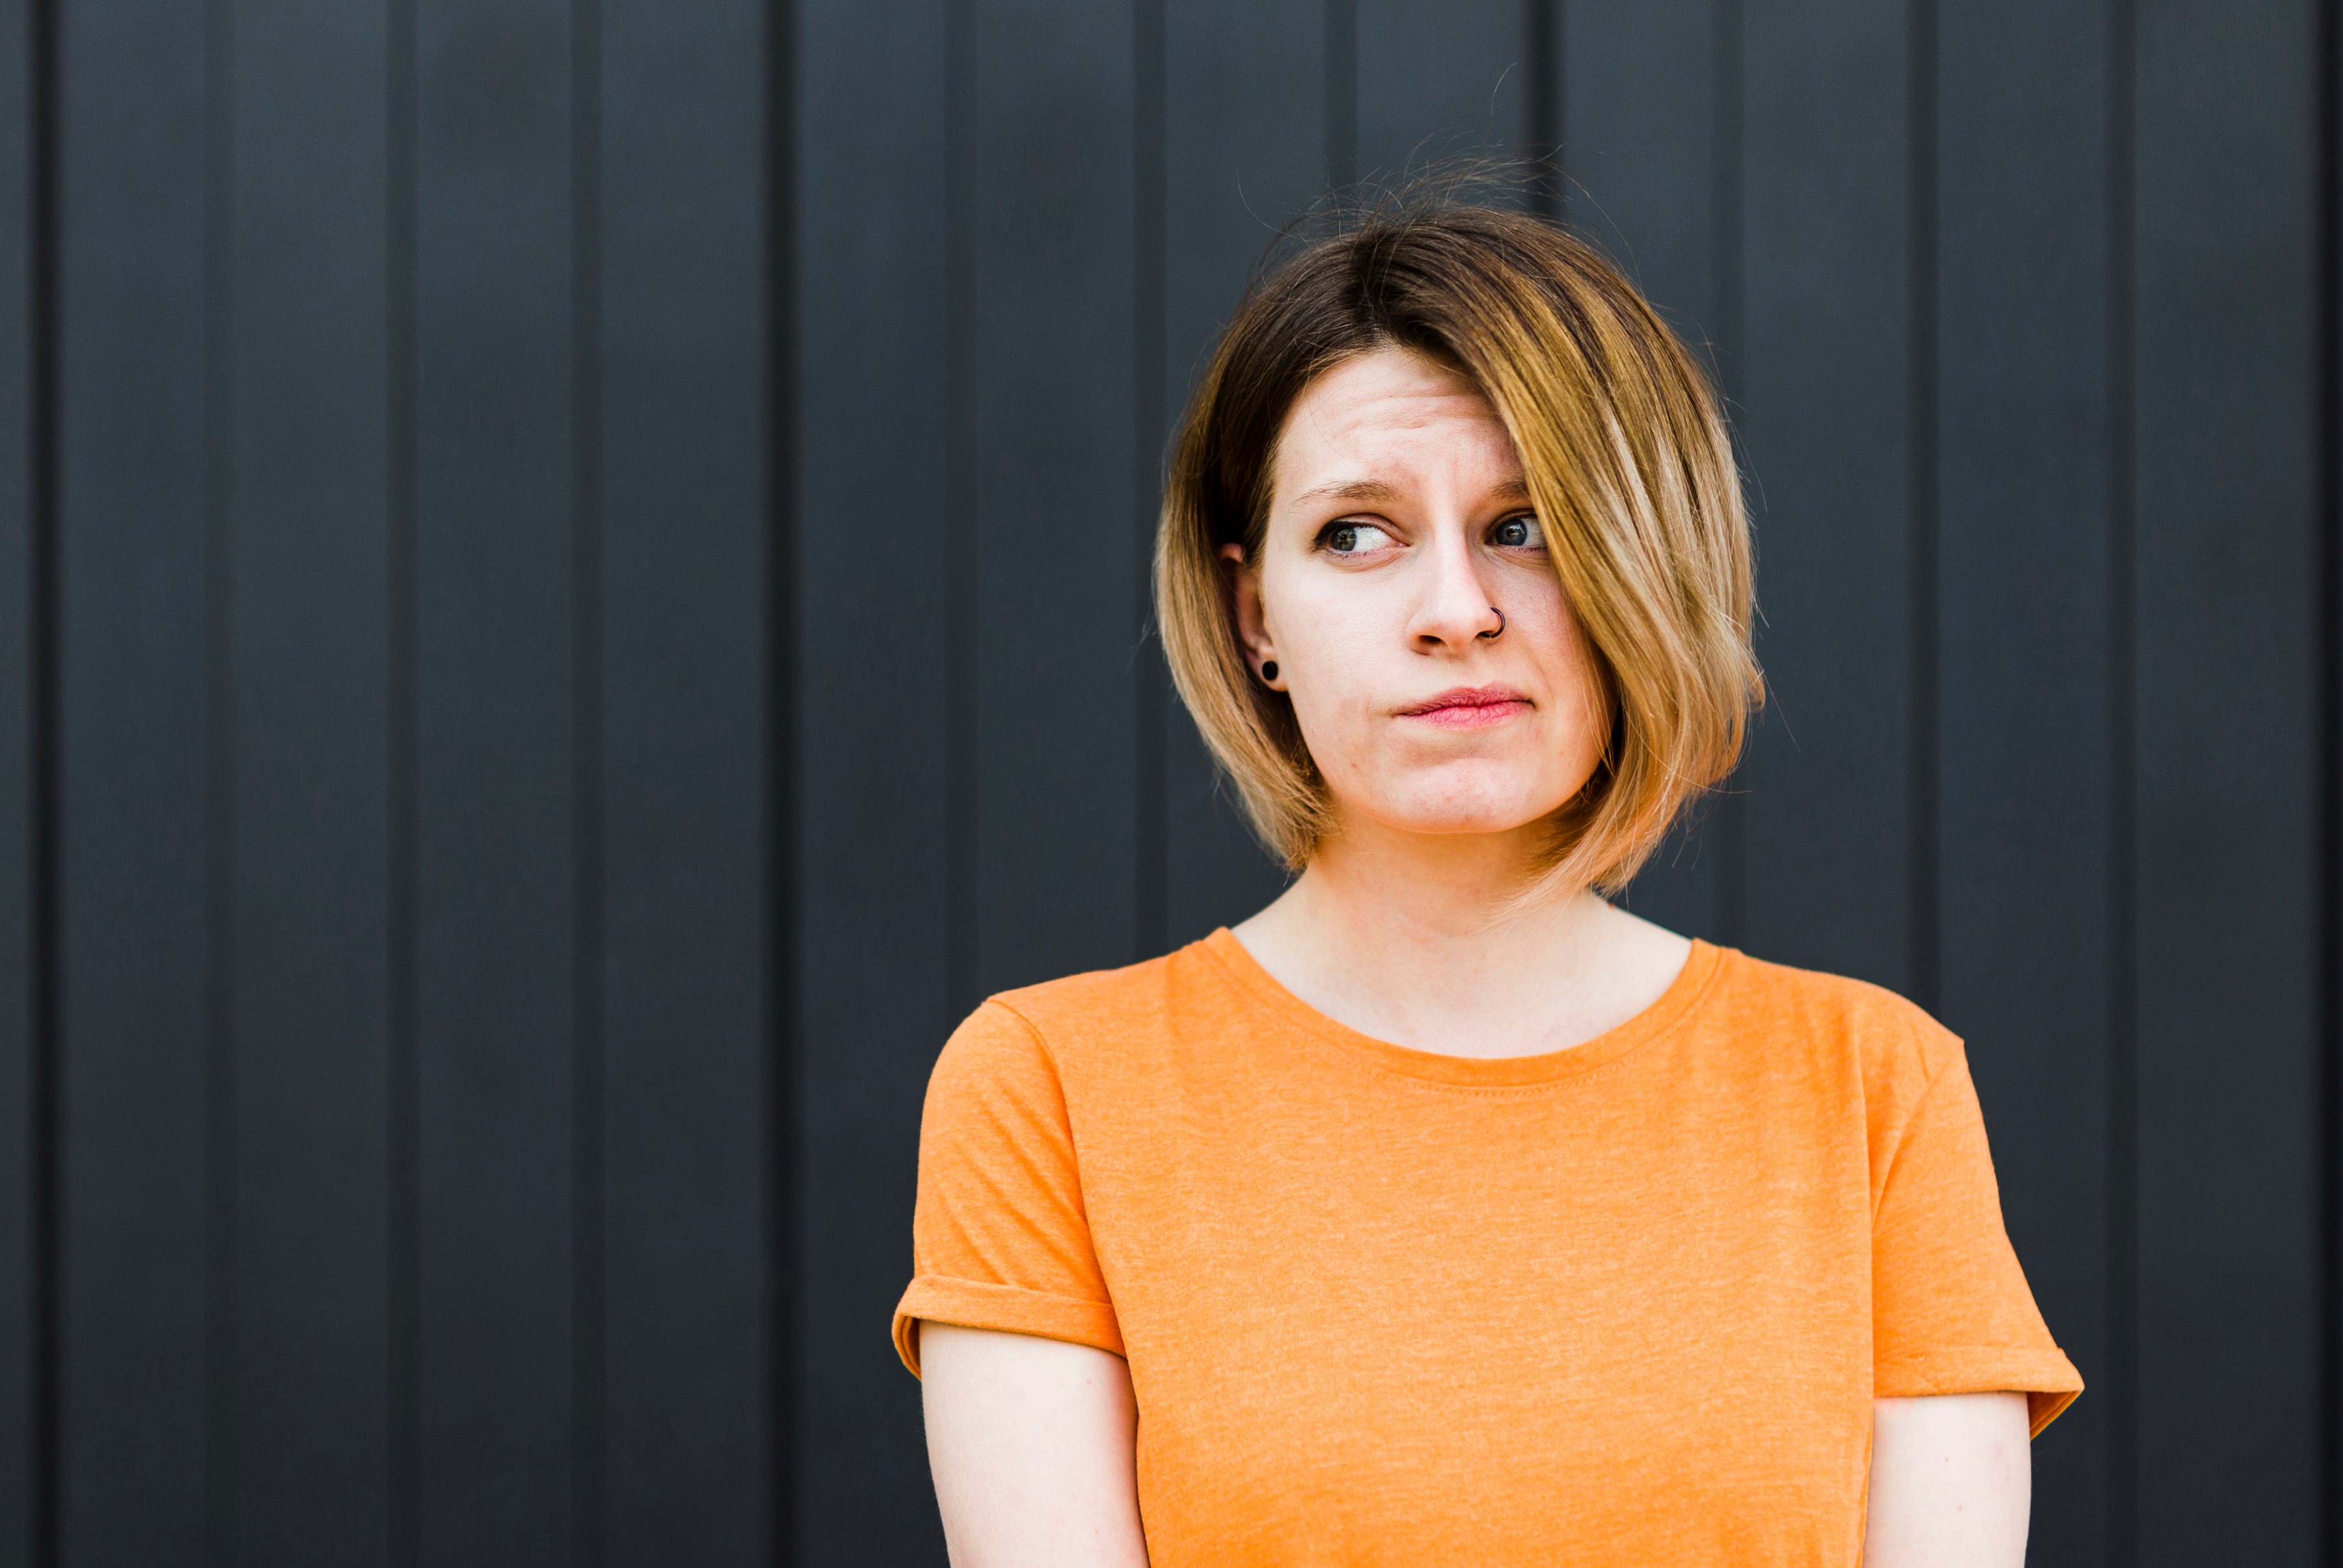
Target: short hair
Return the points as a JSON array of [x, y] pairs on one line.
[[1629, 466]]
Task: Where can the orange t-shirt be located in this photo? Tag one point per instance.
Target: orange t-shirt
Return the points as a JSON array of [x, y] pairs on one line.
[[1624, 1303]]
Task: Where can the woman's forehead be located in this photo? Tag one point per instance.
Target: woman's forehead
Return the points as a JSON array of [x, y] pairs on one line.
[[1386, 417]]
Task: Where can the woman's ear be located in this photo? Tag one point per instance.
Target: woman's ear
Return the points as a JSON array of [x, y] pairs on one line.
[[1244, 599]]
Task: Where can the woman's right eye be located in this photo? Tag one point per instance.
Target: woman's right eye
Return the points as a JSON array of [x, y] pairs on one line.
[[1350, 539]]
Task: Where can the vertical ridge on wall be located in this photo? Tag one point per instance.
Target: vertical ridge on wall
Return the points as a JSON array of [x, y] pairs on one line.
[[784, 1000], [1150, 687], [2227, 675], [220, 1325], [2328, 427], [403, 753], [45, 1085], [882, 318], [588, 1314], [20, 1288], [1828, 432], [1925, 961], [2123, 764], [295, 506], [495, 779], [961, 558], [679, 352], [1053, 217], [2019, 570], [132, 734]]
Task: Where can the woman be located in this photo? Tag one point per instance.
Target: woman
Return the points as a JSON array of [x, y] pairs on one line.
[[1442, 1211]]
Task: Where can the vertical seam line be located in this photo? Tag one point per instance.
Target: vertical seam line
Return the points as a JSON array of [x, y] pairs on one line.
[[46, 1373], [587, 784], [2329, 959], [781, 787], [2123, 1219], [1923, 961], [1150, 677], [404, 753], [962, 559], [220, 1284]]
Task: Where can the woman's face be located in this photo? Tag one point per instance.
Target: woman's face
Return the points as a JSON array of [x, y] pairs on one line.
[[1399, 531]]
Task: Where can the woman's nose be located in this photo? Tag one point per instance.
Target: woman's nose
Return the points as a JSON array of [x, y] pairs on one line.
[[1456, 608]]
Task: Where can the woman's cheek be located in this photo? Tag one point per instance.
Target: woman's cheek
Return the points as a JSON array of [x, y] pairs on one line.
[[1336, 724], [1327, 730]]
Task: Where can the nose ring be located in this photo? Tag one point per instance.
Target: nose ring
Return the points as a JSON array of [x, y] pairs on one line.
[[1492, 636]]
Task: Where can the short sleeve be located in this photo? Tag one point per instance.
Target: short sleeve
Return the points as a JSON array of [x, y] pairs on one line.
[[1951, 1312], [999, 1238]]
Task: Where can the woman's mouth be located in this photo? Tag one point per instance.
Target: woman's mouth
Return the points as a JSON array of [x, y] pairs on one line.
[[1470, 708]]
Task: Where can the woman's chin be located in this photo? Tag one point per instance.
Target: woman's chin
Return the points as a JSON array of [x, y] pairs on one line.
[[1451, 817]]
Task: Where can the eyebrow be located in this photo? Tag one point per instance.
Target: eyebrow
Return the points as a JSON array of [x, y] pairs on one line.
[[1376, 492]]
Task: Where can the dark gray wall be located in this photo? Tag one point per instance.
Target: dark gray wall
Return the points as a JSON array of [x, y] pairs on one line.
[[572, 575]]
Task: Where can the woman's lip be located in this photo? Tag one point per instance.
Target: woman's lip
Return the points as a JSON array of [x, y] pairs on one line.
[[1469, 696], [1471, 708]]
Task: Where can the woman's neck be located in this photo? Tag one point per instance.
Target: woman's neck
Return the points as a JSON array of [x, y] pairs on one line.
[[1420, 939]]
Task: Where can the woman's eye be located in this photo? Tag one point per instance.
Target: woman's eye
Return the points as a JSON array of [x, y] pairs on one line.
[[1355, 538], [1517, 533]]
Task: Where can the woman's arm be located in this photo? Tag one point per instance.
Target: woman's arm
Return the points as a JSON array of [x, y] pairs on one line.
[[1952, 1480], [1031, 1442]]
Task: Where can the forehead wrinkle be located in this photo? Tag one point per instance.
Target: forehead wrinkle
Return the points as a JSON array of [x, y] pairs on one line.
[[1341, 413]]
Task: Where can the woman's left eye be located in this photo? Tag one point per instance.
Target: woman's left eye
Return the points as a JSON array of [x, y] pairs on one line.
[[1348, 538], [1517, 533]]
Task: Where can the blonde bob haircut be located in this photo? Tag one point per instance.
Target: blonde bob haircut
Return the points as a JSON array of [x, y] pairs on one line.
[[1629, 468]]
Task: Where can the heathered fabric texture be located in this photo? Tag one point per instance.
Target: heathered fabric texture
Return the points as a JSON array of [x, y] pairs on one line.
[[1624, 1303]]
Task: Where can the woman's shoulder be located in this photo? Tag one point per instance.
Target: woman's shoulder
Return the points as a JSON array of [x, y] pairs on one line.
[[1080, 1018], [1887, 1034]]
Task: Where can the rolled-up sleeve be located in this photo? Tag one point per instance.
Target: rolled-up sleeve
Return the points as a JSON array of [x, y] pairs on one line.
[[1951, 1311], [999, 1237]]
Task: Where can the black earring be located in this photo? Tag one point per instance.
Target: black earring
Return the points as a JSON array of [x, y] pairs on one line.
[[1268, 671]]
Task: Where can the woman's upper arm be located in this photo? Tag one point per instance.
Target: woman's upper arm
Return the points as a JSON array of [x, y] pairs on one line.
[[1952, 1481], [1032, 1444]]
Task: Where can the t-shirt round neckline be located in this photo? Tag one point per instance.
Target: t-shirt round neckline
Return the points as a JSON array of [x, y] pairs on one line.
[[1700, 967]]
